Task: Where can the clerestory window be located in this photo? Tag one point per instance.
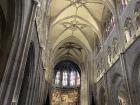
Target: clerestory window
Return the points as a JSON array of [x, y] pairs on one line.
[[67, 76]]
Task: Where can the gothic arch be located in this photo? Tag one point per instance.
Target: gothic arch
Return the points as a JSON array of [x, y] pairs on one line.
[[66, 83], [29, 71], [73, 39]]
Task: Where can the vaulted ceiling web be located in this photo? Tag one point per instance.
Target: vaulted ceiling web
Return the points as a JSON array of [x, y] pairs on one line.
[[81, 19]]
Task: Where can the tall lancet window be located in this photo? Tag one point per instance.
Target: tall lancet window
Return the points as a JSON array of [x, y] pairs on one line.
[[72, 78], [57, 79], [78, 79], [65, 78], [67, 75]]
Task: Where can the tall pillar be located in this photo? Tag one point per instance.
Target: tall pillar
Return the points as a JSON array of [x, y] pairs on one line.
[[84, 92], [16, 62]]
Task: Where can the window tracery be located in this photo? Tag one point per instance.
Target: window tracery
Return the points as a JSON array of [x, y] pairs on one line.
[[72, 78], [57, 79], [67, 77]]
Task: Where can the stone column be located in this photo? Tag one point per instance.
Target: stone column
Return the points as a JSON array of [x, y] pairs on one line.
[[16, 62], [84, 92]]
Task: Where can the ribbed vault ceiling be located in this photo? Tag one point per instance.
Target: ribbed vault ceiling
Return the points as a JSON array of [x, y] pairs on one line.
[[79, 19]]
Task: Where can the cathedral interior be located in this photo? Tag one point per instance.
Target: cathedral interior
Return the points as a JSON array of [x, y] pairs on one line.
[[69, 52]]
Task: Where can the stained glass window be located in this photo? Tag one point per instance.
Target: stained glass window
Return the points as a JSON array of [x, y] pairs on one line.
[[67, 75], [78, 79], [72, 78], [57, 78], [65, 78]]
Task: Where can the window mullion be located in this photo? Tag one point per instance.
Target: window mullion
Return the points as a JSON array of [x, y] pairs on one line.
[[61, 79], [68, 78]]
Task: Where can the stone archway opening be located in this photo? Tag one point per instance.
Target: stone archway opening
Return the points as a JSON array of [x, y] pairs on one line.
[[66, 84]]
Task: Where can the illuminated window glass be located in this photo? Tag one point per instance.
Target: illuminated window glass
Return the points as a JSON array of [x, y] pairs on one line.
[[123, 4], [78, 79], [57, 78], [65, 78], [67, 75], [72, 78]]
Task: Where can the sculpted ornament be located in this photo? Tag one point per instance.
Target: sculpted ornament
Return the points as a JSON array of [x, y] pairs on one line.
[[129, 28], [129, 25]]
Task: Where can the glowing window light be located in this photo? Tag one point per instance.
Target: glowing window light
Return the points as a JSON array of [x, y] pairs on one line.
[[78, 79], [65, 78], [57, 78], [72, 78]]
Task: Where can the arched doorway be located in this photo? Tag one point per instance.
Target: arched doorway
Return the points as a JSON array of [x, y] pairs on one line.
[[29, 68], [66, 86]]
